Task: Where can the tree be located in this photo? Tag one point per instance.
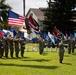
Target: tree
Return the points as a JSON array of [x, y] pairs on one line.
[[59, 13], [4, 14]]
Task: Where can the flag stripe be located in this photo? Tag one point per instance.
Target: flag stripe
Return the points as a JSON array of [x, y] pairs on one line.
[[33, 24], [15, 19], [56, 33], [36, 28]]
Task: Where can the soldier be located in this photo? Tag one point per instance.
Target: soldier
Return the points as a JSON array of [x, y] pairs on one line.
[[22, 46], [61, 51], [1, 47], [11, 46], [16, 43], [41, 45], [73, 44], [6, 48], [69, 45]]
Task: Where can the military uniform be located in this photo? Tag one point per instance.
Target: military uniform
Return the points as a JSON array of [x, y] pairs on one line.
[[1, 47], [41, 45], [22, 46], [11, 46], [61, 51], [69, 46], [6, 48], [73, 44], [16, 42]]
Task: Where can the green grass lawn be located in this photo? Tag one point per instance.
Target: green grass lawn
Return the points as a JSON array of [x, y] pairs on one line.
[[35, 64]]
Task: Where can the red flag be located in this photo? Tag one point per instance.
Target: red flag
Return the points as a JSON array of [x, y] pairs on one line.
[[15, 19], [56, 33], [66, 34], [1, 33], [33, 24]]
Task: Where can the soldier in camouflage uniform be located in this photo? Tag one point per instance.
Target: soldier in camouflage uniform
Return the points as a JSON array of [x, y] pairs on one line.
[[61, 51], [41, 45], [73, 44], [22, 46], [16, 43], [11, 46], [6, 48], [1, 47], [69, 45]]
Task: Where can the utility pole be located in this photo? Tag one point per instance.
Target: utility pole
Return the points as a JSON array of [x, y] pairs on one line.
[[23, 7]]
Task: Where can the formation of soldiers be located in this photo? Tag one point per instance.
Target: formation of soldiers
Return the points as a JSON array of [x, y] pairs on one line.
[[71, 45], [71, 48], [12, 45]]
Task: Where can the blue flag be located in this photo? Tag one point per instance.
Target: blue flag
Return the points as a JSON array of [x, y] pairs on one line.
[[46, 37], [51, 37]]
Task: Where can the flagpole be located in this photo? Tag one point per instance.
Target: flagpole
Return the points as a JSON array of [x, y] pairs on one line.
[[49, 3], [23, 7]]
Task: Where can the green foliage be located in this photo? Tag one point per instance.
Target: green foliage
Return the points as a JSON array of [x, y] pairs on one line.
[[59, 13], [4, 14]]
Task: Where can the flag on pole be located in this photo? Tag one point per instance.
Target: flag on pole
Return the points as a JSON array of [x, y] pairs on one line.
[[63, 38], [56, 33], [1, 34], [70, 35], [23, 28], [46, 37], [15, 19], [51, 37], [66, 34], [28, 26], [33, 24]]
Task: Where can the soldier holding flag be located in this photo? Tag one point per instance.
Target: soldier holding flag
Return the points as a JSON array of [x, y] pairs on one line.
[[16, 42], [6, 46], [73, 44], [41, 44], [61, 51], [11, 46], [22, 46], [1, 47]]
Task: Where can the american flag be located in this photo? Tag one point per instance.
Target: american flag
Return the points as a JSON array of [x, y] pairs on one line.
[[15, 19]]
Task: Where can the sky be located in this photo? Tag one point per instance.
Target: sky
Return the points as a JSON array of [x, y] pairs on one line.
[[17, 5]]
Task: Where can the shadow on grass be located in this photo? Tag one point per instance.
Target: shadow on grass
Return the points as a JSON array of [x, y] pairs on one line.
[[38, 60], [67, 63], [15, 58], [66, 55], [44, 54], [31, 66], [73, 53]]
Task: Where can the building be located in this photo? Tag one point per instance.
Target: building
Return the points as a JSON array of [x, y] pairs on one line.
[[38, 14]]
